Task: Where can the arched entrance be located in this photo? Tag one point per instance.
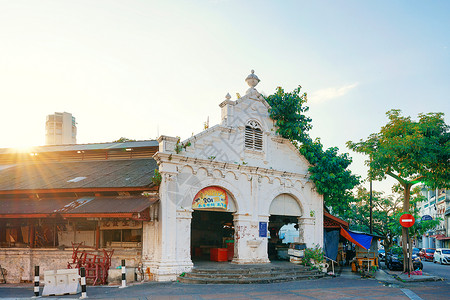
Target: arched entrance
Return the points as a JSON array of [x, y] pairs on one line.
[[212, 228], [283, 226]]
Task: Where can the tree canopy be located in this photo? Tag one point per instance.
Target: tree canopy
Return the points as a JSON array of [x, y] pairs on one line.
[[411, 152], [123, 140], [329, 170]]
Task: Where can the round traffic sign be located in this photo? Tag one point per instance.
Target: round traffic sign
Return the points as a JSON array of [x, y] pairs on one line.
[[407, 220]]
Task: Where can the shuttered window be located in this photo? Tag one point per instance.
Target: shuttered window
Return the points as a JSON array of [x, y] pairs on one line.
[[253, 136]]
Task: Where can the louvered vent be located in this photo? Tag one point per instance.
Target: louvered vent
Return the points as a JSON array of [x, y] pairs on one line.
[[253, 136]]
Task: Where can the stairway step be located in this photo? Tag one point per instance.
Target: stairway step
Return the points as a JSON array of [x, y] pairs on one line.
[[256, 274], [249, 270], [247, 280]]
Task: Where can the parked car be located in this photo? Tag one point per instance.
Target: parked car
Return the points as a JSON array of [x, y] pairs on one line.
[[381, 254], [394, 259], [442, 256], [427, 253]]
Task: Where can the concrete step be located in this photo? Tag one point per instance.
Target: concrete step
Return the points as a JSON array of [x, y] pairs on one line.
[[232, 274], [248, 280], [254, 274], [249, 270]]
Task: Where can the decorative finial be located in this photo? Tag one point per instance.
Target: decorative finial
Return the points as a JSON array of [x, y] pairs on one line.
[[252, 80], [228, 96]]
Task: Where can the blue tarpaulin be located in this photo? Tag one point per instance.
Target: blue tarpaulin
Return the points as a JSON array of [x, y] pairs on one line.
[[360, 239]]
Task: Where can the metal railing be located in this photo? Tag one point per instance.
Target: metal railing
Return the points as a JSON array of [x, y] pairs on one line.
[[332, 263]]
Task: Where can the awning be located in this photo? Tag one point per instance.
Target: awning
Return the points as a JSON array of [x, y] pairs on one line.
[[330, 221], [360, 239], [441, 238], [437, 236], [134, 207]]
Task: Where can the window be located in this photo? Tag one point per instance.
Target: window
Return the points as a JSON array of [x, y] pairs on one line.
[[253, 136]]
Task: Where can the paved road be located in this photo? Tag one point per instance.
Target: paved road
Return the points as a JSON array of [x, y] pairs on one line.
[[437, 270], [344, 287], [442, 271]]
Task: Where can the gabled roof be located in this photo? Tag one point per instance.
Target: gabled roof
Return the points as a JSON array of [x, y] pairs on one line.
[[78, 174]]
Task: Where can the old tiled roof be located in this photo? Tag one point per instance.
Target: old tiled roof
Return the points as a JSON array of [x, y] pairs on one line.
[[77, 174], [73, 206]]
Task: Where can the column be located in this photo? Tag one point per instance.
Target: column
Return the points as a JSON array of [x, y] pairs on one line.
[[248, 246], [306, 227], [166, 265], [184, 217]]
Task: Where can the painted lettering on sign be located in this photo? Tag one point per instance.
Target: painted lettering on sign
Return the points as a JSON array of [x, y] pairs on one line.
[[211, 197]]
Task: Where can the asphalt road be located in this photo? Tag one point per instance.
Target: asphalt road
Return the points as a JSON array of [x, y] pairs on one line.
[[437, 270], [431, 268], [352, 287]]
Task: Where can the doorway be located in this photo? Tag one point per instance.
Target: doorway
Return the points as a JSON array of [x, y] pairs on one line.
[[283, 230], [211, 233]]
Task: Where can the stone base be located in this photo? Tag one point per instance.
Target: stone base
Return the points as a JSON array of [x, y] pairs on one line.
[[250, 261], [169, 270], [115, 275]]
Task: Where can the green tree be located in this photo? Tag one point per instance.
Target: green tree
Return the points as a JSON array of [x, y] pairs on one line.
[[420, 227], [410, 152], [123, 140], [384, 213], [329, 168]]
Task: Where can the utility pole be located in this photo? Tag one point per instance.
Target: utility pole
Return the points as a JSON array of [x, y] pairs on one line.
[[371, 221]]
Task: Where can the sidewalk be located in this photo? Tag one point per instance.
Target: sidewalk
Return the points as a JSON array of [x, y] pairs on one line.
[[390, 276], [400, 276]]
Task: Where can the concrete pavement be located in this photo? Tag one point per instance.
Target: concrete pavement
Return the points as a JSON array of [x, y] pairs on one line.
[[346, 286]]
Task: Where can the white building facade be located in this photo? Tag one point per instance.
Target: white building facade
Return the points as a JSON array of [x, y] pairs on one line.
[[437, 205], [60, 129], [259, 174]]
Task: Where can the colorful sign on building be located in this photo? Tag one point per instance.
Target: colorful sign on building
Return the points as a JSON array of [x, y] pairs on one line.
[[211, 197]]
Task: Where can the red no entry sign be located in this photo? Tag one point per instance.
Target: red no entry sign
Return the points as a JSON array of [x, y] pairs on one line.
[[407, 220]]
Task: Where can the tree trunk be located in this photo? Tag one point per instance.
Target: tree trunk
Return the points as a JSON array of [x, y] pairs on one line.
[[407, 249]]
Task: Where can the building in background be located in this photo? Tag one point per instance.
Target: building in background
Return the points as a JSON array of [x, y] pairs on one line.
[[60, 129], [437, 205]]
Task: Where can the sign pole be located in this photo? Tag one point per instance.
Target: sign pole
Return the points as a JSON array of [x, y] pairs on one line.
[[407, 220]]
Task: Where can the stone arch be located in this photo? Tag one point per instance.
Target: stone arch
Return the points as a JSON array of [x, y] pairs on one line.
[[217, 173], [287, 205], [201, 184], [292, 192], [187, 168]]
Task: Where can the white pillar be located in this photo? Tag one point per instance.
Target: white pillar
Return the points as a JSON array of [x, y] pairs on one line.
[[183, 231], [307, 227], [249, 248], [166, 265]]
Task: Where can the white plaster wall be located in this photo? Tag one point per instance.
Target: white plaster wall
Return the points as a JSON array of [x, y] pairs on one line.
[[19, 262], [216, 157]]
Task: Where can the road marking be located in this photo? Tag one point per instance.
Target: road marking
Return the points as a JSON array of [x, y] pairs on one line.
[[410, 294]]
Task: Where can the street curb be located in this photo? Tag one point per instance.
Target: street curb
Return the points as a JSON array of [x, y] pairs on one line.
[[416, 279]]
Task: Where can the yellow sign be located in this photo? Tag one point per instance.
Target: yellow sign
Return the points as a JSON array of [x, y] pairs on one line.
[[211, 197]]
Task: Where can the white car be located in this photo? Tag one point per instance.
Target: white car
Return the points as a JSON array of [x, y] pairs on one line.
[[442, 256]]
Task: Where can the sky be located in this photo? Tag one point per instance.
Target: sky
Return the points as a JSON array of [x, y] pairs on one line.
[[139, 69]]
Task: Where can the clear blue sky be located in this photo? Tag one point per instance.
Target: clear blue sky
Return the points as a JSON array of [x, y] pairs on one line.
[[139, 68]]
